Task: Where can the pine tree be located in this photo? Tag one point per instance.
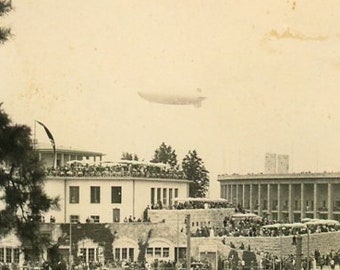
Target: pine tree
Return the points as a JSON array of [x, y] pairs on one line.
[[21, 187], [165, 154], [5, 8], [194, 169]]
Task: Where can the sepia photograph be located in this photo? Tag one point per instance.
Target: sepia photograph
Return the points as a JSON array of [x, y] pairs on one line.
[[169, 135]]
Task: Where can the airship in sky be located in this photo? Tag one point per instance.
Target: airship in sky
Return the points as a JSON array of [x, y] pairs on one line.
[[173, 98]]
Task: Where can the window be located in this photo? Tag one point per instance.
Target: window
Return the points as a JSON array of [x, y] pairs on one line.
[[170, 196], [74, 194], [8, 255], [95, 194], [274, 205], [91, 254], [16, 255], [83, 253], [131, 254], [95, 219], [116, 194], [176, 192], [158, 252], [2, 254], [124, 253], [165, 252], [158, 195], [117, 253], [74, 219], [116, 214], [164, 196], [152, 196], [149, 252]]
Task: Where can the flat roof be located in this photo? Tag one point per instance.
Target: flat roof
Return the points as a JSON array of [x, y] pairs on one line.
[[47, 148], [260, 176], [117, 178]]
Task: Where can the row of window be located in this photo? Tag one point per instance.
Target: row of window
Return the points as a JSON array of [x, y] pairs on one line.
[[116, 194], [128, 253], [88, 254], [165, 195], [124, 253], [9, 255], [158, 252]]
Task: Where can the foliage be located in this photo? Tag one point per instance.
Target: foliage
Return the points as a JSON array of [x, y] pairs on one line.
[[249, 258], [143, 245], [194, 169], [5, 8], [233, 258], [54, 255], [129, 156], [165, 154], [99, 233], [21, 187]]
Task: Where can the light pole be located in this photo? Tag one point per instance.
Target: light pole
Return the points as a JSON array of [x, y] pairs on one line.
[[70, 258], [298, 252], [188, 255], [281, 232], [308, 259]]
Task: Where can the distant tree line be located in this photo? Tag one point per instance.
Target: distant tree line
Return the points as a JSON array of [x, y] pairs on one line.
[[192, 165]]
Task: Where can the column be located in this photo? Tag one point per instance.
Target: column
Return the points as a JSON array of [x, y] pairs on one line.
[[259, 200], [279, 206], [243, 196], [290, 203], [227, 193], [329, 201], [315, 208], [62, 161], [251, 204], [237, 201], [269, 209], [302, 201]]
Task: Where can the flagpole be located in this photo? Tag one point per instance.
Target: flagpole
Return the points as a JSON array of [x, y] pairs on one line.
[[55, 158]]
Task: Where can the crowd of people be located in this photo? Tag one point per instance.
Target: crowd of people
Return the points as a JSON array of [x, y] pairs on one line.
[[204, 204], [317, 260], [258, 259], [261, 226], [135, 170]]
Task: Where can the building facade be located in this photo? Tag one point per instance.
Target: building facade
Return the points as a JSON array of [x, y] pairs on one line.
[[285, 196], [110, 199], [102, 193]]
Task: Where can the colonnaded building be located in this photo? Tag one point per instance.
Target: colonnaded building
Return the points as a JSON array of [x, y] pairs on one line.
[[287, 196]]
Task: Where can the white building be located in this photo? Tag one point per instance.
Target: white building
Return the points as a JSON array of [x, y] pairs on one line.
[[110, 199], [106, 196]]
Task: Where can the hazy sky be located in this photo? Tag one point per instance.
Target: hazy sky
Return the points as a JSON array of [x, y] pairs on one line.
[[270, 71]]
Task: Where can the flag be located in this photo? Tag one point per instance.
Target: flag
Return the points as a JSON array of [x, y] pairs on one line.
[[49, 135]]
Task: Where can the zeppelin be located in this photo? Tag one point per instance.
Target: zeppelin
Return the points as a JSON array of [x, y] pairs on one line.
[[172, 98]]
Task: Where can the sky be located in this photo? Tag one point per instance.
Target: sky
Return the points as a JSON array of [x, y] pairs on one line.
[[269, 69]]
